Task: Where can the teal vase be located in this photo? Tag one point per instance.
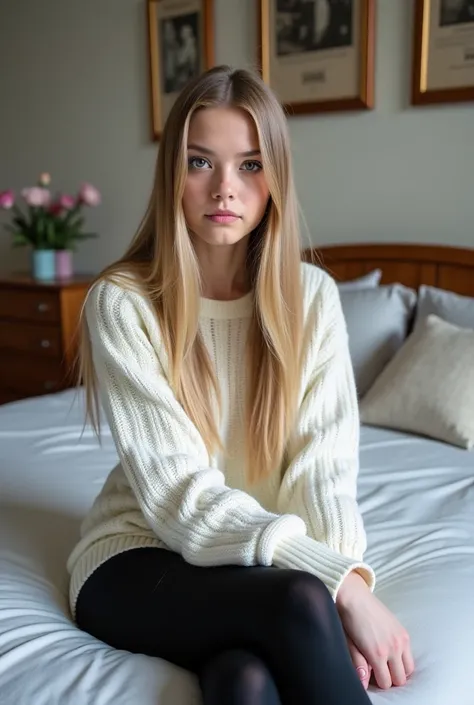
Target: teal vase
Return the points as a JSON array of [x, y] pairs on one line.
[[44, 265]]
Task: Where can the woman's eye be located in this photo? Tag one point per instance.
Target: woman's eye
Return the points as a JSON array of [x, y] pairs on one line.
[[198, 163], [252, 166]]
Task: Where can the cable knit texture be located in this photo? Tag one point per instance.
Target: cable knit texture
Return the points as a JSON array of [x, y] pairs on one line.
[[166, 491]]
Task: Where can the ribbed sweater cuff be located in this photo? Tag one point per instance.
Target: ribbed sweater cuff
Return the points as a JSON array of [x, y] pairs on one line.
[[304, 553], [286, 525]]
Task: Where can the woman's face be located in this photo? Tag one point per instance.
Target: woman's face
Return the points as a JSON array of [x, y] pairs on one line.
[[226, 192]]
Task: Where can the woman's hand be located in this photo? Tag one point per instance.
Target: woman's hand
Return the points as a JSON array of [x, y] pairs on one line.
[[375, 632], [364, 670]]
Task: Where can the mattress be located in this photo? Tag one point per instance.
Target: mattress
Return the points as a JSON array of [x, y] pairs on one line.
[[417, 498]]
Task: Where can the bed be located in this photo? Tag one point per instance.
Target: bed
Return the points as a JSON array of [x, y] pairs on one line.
[[416, 494]]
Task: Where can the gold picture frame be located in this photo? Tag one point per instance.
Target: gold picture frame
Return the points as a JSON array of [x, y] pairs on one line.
[[443, 52], [181, 46], [318, 56]]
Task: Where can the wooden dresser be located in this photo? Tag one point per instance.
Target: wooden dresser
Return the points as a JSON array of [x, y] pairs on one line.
[[38, 335]]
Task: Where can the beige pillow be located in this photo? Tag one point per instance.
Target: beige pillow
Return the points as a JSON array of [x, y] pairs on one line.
[[428, 386]]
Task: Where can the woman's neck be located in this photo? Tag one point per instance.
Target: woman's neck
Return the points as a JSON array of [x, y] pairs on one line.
[[223, 270]]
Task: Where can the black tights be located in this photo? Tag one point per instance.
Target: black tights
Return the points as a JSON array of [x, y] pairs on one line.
[[253, 635]]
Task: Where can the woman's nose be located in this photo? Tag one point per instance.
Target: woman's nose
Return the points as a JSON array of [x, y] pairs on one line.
[[223, 188]]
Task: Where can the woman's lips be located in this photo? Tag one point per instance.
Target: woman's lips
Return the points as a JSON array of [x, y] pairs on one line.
[[222, 218]]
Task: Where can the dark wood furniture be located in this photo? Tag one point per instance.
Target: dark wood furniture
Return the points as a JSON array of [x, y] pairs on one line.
[[38, 335], [443, 266]]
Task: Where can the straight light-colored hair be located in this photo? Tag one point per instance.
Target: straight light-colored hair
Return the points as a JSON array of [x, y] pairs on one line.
[[162, 261]]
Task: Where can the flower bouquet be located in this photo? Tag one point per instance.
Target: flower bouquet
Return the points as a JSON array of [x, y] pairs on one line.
[[50, 225]]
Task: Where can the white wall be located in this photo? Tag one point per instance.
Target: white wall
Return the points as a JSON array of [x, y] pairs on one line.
[[74, 101]]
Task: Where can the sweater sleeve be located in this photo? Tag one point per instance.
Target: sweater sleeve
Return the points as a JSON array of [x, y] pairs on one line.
[[185, 501], [320, 482]]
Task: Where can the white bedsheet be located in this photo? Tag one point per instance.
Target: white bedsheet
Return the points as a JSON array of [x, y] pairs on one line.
[[417, 497]]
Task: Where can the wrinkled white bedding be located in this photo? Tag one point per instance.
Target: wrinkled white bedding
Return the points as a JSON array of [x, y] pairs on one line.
[[417, 497]]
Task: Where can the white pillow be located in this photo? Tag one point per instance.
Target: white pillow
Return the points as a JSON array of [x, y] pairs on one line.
[[369, 280], [451, 307], [377, 322], [428, 387]]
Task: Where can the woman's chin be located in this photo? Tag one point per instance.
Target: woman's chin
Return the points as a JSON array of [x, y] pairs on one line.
[[221, 236]]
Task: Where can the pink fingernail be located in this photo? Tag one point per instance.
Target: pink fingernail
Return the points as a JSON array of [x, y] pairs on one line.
[[362, 673]]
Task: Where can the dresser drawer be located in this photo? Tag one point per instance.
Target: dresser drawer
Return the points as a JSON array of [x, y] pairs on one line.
[[36, 340], [34, 306], [29, 376]]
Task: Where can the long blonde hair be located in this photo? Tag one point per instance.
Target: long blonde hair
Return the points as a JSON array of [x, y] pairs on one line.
[[163, 260]]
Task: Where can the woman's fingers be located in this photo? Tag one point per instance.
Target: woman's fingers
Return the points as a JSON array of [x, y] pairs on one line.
[[363, 669], [408, 662], [397, 671], [382, 674]]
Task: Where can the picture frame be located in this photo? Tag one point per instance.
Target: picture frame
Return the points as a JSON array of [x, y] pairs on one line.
[[443, 52], [180, 46], [318, 56]]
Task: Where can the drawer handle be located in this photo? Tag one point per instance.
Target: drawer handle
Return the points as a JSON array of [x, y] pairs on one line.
[[45, 343], [49, 385], [42, 308]]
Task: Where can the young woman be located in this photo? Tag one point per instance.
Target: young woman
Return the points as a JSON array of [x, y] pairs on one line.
[[228, 539]]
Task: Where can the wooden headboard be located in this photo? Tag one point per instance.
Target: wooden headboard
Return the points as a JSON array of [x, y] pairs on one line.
[[442, 266]]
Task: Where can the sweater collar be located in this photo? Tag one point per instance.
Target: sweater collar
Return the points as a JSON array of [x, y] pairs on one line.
[[238, 308]]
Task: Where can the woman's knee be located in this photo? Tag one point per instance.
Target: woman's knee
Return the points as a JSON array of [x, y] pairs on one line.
[[306, 600], [235, 677]]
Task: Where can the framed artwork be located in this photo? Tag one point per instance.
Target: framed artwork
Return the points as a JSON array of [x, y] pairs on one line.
[[181, 46], [443, 61], [318, 55]]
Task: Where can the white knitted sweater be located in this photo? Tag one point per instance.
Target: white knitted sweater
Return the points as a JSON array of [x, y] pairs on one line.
[[168, 492]]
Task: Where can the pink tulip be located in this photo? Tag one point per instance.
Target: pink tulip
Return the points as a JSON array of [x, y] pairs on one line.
[[36, 196], [66, 202], [89, 195], [7, 199], [63, 203]]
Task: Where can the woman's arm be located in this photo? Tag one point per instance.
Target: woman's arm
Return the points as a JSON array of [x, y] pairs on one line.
[[184, 500], [320, 483]]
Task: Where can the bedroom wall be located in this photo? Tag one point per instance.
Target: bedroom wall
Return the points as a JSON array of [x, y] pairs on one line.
[[74, 101]]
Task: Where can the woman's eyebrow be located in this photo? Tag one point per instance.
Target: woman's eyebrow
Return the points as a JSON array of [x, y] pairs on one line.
[[205, 150]]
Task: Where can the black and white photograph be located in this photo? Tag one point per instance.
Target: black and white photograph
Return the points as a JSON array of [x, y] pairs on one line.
[[443, 58], [180, 50], [455, 12], [318, 55], [313, 25], [181, 46]]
